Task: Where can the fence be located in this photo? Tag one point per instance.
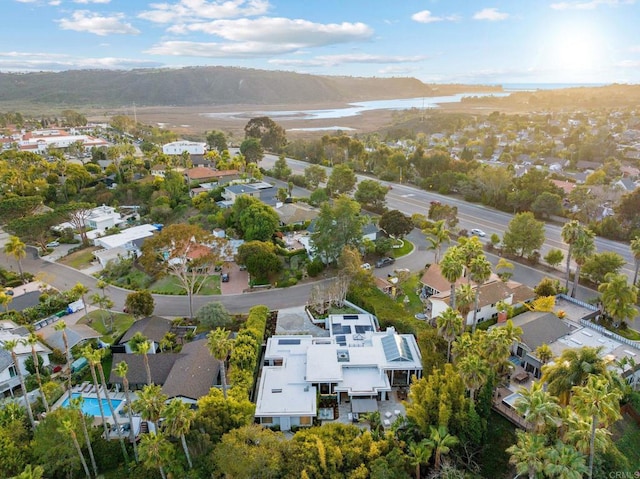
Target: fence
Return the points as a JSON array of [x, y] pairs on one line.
[[610, 334]]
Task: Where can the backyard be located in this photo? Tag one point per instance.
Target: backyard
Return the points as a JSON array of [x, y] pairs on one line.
[[80, 259], [101, 322]]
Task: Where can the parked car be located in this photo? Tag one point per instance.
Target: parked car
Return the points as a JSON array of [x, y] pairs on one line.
[[224, 277], [477, 232], [385, 261], [365, 266], [53, 244]]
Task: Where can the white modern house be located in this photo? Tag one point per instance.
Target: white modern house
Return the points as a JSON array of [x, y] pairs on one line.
[[179, 147], [10, 331], [125, 244], [356, 364]]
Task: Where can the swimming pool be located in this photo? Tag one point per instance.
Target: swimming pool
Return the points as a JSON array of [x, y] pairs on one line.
[[90, 405]]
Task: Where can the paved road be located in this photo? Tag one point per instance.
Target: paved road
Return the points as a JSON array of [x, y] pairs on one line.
[[410, 200]]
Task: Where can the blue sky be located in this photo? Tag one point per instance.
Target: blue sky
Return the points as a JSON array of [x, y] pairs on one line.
[[440, 41]]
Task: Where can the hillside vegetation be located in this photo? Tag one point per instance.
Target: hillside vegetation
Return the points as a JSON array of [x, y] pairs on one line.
[[204, 86]]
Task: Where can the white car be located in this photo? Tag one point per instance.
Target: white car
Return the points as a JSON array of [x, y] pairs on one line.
[[477, 232], [365, 266], [53, 244]]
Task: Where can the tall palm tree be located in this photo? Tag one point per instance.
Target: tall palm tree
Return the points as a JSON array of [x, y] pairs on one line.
[[618, 298], [479, 272], [635, 250], [573, 368], [143, 348], [564, 462], [121, 369], [11, 345], [32, 340], [538, 407], [92, 359], [577, 432], [450, 325], [76, 405], [16, 248], [437, 235], [598, 400], [150, 404], [452, 268], [464, 298], [220, 346], [528, 454], [583, 249], [420, 453], [80, 290], [441, 442], [5, 300], [155, 452], [178, 417], [543, 353], [62, 326], [68, 427], [570, 233], [474, 372], [469, 249], [98, 354]]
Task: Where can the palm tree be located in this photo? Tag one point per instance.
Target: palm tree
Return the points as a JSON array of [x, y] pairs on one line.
[[11, 345], [570, 233], [504, 269], [80, 290], [583, 249], [564, 462], [5, 299], [16, 248], [469, 249], [479, 272], [573, 368], [76, 405], [450, 325], [32, 340], [618, 298], [464, 297], [635, 250], [528, 454], [98, 354], [69, 428], [178, 417], [62, 326], [543, 353], [150, 404], [121, 369], [441, 442], [538, 407], [437, 235], [598, 400], [155, 451], [220, 346], [577, 432], [92, 359], [474, 372], [420, 453], [452, 269], [143, 347]]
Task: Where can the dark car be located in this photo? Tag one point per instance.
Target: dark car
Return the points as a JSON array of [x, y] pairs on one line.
[[385, 261], [224, 277]]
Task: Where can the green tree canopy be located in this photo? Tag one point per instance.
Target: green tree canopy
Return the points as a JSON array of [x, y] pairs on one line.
[[140, 304], [272, 136], [524, 235], [341, 181], [371, 194], [260, 259]]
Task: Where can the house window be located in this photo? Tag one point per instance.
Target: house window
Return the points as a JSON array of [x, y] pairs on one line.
[[325, 388], [275, 391], [305, 420], [12, 371], [267, 420], [519, 352]]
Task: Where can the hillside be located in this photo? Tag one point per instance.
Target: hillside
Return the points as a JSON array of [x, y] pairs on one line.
[[196, 86]]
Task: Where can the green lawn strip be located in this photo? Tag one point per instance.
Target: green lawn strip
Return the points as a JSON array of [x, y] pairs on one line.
[[409, 287], [80, 259], [494, 459], [404, 250], [171, 285], [99, 320]]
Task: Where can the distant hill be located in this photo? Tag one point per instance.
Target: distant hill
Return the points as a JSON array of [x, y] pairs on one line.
[[198, 86]]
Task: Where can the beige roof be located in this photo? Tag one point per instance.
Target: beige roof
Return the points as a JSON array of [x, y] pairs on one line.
[[433, 278], [290, 213], [490, 293], [521, 292]]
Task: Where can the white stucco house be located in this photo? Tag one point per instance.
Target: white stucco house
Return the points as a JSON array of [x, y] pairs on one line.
[[179, 147], [356, 363]]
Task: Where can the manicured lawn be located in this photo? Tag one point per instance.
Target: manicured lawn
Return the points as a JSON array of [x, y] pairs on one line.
[[99, 320], [171, 285], [500, 435], [409, 288], [79, 259], [406, 248]]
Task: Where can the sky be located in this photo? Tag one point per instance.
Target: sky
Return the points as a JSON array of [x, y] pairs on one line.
[[436, 41]]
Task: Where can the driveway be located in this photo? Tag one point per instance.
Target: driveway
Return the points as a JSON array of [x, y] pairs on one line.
[[238, 280]]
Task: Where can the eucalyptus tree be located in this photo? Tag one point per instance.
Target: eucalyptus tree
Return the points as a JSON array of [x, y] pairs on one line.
[[32, 341], [10, 345], [598, 400]]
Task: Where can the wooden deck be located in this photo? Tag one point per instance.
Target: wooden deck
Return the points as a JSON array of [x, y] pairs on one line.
[[508, 412]]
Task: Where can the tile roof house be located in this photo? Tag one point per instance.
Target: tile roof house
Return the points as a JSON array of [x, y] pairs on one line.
[[202, 174]]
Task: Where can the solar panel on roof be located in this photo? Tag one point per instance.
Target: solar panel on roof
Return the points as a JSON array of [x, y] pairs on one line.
[[288, 341], [396, 348]]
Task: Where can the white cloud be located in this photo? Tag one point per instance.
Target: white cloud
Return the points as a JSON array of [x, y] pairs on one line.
[[28, 61], [334, 60], [283, 30], [85, 21], [219, 50], [425, 16], [490, 14], [91, 1], [55, 3], [592, 5], [186, 11]]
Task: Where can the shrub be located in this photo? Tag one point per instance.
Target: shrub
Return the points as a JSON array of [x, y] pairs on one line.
[[315, 267]]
